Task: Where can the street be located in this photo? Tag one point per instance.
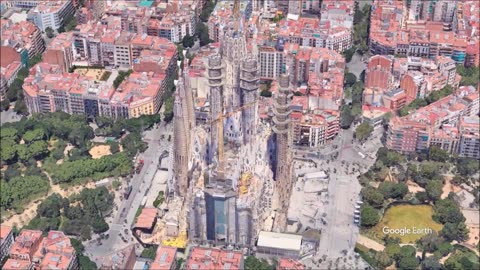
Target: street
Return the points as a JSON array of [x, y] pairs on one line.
[[339, 235], [123, 218]]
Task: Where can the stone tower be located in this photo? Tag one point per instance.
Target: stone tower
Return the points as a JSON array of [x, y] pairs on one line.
[[188, 96], [249, 88], [233, 49], [283, 168], [181, 138], [180, 152], [215, 76]]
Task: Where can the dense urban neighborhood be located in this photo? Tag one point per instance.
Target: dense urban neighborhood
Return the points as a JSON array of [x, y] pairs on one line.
[[240, 134]]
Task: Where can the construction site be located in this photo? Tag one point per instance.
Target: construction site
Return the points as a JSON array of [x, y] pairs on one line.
[[229, 177]]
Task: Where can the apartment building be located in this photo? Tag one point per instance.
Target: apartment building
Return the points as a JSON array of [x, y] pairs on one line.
[[6, 240], [289, 264], [60, 51], [122, 259], [172, 21], [141, 93], [469, 143], [14, 264], [316, 113], [222, 16], [48, 89], [426, 29], [450, 123], [209, 258], [105, 45], [301, 61], [10, 65], [272, 60], [175, 26], [25, 245], [121, 50], [166, 258], [23, 4], [31, 250], [444, 11], [314, 130], [51, 13], [56, 252], [93, 10], [24, 37], [395, 82], [157, 61], [312, 32], [394, 99]]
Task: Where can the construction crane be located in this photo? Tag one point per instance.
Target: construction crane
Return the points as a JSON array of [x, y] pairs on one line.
[[219, 120], [245, 182]]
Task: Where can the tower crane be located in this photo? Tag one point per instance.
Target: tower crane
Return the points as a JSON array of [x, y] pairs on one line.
[[219, 121]]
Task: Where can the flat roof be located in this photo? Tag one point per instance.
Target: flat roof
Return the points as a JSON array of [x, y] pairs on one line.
[[280, 240], [145, 3], [320, 174]]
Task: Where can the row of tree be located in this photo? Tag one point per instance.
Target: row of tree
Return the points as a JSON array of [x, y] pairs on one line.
[[350, 112], [117, 127], [112, 165], [419, 102]]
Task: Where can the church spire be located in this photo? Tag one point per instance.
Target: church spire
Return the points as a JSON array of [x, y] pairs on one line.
[[236, 9], [237, 19]]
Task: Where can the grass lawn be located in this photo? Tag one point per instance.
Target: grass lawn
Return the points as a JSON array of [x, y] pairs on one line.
[[407, 216]]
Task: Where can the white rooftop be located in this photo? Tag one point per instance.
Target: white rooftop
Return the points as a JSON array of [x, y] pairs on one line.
[[280, 240], [313, 175]]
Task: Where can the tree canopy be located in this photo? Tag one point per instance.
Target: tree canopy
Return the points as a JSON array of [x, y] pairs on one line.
[[168, 112], [363, 131], [252, 263], [470, 75], [133, 144], [49, 32], [369, 216], [373, 197], [207, 10], [77, 219], [112, 165], [202, 34], [393, 190], [188, 41], [21, 189], [349, 80]]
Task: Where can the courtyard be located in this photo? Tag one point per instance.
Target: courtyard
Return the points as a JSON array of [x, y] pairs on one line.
[[94, 73]]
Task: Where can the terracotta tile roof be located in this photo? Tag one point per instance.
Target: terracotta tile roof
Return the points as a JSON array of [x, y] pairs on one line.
[[206, 259], [164, 258], [147, 218], [12, 264]]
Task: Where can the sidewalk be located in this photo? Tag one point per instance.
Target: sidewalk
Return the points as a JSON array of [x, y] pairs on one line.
[[369, 243]]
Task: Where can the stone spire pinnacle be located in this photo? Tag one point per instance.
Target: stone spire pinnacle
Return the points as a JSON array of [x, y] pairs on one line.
[[236, 9]]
